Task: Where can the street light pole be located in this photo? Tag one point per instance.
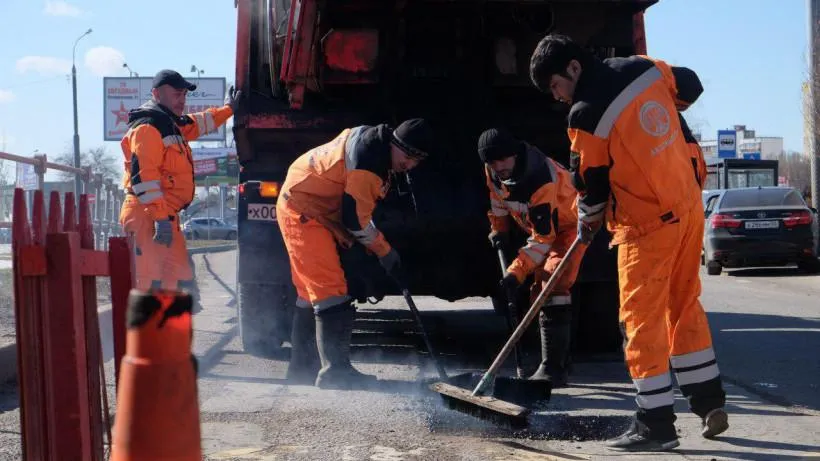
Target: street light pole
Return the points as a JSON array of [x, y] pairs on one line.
[[78, 187], [814, 91]]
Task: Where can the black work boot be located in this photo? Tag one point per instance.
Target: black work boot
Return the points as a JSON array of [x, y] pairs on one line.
[[334, 327], [555, 322], [193, 289], [304, 355]]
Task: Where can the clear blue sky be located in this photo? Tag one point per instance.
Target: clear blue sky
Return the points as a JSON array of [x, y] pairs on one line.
[[750, 54]]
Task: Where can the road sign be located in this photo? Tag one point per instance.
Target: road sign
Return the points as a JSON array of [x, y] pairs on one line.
[[727, 144], [751, 155], [122, 94]]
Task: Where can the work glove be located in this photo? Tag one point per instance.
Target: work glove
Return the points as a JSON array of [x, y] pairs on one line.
[[499, 239], [587, 231], [232, 97], [391, 262], [163, 232]]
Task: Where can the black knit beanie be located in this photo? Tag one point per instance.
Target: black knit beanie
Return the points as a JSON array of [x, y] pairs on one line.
[[497, 144]]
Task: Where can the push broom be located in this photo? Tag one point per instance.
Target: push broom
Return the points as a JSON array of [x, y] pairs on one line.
[[489, 408]]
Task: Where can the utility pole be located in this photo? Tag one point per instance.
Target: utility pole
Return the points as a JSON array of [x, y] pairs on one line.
[[814, 88], [78, 183]]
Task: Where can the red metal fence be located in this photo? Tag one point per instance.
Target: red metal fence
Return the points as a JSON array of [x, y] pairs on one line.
[[107, 195], [63, 404]]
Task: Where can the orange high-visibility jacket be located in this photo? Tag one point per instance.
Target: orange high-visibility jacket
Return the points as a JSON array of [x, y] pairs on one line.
[[541, 199], [342, 180], [630, 159], [158, 161]]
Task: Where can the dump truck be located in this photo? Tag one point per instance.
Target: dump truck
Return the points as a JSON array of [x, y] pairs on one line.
[[309, 69]]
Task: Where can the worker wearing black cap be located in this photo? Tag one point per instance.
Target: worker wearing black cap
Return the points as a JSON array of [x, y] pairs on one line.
[[159, 179], [328, 198], [538, 194]]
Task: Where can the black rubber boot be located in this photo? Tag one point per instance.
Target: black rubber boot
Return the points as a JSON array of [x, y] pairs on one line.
[[304, 355], [334, 327], [555, 322], [193, 289]]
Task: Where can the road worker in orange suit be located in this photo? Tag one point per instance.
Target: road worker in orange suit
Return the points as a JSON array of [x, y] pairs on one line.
[[633, 169], [159, 179], [328, 198], [537, 193]]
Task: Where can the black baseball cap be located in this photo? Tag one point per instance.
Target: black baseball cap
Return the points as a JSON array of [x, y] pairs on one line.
[[173, 78]]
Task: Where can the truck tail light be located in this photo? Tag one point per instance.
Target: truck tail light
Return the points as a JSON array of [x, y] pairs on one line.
[[724, 221], [241, 189], [801, 218], [269, 189]]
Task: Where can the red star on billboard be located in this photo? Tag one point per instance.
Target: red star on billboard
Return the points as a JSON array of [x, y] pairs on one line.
[[121, 113]]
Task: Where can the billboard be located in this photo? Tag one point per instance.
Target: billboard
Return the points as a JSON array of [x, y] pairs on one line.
[[121, 94], [727, 144], [217, 164]]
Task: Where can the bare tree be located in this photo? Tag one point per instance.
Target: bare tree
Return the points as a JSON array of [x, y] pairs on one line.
[[795, 167], [100, 160]]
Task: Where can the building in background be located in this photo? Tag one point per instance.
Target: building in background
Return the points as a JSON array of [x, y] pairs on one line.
[[744, 144]]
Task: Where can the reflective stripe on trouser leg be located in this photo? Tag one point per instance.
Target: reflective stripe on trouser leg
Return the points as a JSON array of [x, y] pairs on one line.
[[695, 367], [320, 305], [302, 303], [314, 261], [561, 300], [692, 357], [654, 392]]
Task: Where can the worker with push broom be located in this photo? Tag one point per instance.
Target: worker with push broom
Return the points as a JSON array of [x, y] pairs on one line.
[[633, 169], [328, 199], [537, 193]]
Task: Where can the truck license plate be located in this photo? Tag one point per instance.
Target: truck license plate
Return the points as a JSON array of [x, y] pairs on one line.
[[762, 224], [262, 212]]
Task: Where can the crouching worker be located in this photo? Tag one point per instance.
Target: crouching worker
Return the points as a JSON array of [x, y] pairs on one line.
[[327, 198], [538, 194]]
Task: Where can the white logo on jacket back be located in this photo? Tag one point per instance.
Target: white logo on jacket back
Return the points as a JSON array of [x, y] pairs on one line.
[[655, 118]]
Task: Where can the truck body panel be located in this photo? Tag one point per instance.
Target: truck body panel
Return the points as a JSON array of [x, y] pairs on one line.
[[310, 69]]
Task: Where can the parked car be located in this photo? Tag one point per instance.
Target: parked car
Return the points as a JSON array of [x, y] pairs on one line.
[[209, 228], [760, 226]]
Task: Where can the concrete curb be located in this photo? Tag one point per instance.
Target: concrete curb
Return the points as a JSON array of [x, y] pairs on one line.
[[8, 353], [212, 249]]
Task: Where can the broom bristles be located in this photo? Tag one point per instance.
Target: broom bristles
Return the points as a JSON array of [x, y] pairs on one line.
[[489, 409]]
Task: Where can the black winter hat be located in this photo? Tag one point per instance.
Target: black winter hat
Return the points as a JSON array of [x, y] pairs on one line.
[[497, 144], [415, 137]]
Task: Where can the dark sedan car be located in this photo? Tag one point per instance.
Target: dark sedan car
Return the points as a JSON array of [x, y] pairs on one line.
[[759, 226]]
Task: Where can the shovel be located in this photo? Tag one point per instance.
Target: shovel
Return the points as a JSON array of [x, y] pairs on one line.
[[518, 390], [512, 310]]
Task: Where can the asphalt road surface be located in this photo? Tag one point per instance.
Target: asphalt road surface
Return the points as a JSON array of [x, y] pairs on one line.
[[766, 330]]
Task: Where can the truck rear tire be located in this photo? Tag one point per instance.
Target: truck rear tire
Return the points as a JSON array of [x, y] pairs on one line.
[[265, 317]]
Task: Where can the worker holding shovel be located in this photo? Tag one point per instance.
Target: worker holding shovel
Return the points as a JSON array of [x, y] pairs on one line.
[[328, 199], [537, 193], [633, 169]]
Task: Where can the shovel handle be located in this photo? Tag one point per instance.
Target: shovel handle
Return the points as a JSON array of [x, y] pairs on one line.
[[512, 309], [528, 317], [412, 305]]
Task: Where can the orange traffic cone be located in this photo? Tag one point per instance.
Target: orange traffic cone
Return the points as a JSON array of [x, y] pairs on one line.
[[157, 403]]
